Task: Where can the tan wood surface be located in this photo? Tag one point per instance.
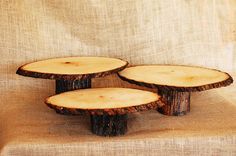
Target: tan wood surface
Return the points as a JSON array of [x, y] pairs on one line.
[[72, 67], [106, 100], [176, 77]]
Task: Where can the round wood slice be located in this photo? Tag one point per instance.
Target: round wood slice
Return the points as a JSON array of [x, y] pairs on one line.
[[176, 77], [100, 101], [72, 68]]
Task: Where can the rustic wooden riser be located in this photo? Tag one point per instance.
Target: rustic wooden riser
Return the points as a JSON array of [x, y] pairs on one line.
[[176, 103], [69, 85], [175, 83], [108, 107], [109, 125]]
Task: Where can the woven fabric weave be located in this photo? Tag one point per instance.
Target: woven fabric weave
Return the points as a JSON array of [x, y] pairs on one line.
[[190, 32]]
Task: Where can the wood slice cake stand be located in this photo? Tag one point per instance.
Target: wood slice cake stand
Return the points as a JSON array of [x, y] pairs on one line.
[[72, 72], [108, 107], [175, 82]]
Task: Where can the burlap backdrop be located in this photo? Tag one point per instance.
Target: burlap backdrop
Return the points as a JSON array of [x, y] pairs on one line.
[[196, 32]]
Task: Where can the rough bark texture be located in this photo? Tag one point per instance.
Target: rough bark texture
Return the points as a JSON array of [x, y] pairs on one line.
[[68, 85], [176, 103], [109, 125], [113, 111], [222, 83]]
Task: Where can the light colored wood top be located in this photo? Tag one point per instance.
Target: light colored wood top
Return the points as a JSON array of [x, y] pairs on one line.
[[103, 98], [72, 66], [175, 76]]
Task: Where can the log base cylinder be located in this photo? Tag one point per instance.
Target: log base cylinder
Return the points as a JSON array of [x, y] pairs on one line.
[[69, 85], [109, 125], [176, 103]]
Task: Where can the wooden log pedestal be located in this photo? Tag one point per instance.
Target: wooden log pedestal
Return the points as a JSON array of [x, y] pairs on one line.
[[108, 107], [175, 83], [72, 73], [69, 85], [109, 125], [176, 103]]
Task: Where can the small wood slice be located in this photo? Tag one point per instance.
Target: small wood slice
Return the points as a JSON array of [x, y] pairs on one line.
[[176, 77], [99, 101], [72, 68], [107, 106], [175, 82]]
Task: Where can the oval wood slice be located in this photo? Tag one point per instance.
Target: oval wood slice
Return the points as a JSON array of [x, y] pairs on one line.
[[72, 68], [176, 77], [100, 101]]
